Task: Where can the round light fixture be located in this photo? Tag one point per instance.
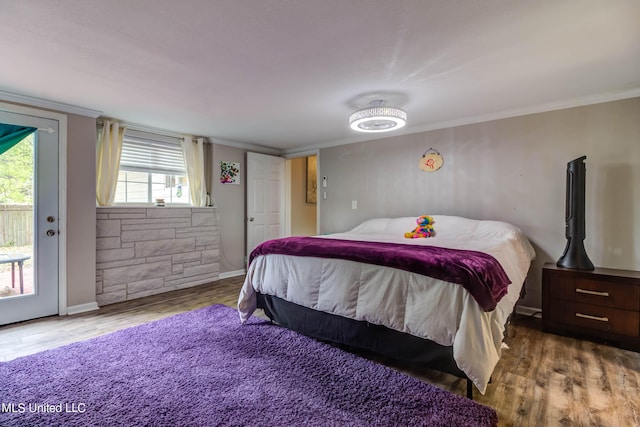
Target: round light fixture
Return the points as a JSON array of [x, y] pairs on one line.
[[378, 118]]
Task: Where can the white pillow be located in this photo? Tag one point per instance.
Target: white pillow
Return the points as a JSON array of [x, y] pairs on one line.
[[498, 229], [399, 226], [447, 225], [504, 230], [375, 225]]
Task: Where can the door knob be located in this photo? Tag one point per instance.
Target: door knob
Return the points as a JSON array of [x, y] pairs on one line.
[[250, 218], [51, 233]]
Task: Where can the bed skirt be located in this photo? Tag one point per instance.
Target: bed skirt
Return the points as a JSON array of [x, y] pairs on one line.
[[359, 335]]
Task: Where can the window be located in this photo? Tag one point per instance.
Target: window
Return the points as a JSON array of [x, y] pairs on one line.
[[151, 167]]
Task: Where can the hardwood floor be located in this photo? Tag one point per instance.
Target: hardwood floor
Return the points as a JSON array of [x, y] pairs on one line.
[[541, 379]]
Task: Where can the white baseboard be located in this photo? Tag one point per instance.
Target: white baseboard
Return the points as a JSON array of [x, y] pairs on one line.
[[235, 273], [82, 308], [529, 311]]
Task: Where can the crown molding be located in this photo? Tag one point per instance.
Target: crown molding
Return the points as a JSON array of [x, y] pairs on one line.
[[301, 153], [505, 114], [260, 149], [582, 101], [49, 105]]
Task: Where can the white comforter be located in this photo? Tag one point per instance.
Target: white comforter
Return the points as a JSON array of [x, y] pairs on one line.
[[408, 302]]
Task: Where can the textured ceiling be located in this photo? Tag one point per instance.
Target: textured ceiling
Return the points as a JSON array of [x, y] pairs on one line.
[[287, 73]]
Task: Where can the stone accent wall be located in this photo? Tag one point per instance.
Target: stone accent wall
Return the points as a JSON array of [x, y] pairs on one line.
[[146, 251]]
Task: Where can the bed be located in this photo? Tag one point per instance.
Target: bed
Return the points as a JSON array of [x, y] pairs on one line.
[[443, 301]]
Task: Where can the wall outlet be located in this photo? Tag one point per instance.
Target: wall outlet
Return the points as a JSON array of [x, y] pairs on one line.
[[354, 204]]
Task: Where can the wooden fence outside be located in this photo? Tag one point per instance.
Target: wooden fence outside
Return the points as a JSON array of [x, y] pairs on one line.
[[16, 225]]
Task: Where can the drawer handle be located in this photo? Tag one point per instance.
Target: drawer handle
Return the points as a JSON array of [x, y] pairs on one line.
[[584, 291], [587, 316]]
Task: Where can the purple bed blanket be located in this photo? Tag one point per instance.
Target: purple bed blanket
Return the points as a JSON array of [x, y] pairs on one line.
[[479, 273]]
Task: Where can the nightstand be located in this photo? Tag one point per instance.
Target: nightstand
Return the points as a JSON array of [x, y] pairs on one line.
[[603, 304]]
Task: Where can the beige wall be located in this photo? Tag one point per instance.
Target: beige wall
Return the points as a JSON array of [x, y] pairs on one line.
[[230, 202], [303, 214], [511, 170], [81, 210]]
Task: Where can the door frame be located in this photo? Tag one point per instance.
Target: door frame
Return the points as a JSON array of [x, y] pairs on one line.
[[321, 190], [62, 192]]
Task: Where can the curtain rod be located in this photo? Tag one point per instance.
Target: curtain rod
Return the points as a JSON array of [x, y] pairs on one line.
[[148, 129]]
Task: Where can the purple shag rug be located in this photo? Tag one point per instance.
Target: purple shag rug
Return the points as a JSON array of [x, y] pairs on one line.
[[203, 368]]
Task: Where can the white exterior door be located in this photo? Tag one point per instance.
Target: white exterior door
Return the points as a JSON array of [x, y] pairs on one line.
[[265, 199], [29, 282]]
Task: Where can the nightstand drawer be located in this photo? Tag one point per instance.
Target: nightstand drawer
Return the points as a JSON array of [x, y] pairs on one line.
[[596, 292], [593, 317], [603, 303]]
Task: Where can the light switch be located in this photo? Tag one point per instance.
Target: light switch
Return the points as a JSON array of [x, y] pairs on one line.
[[354, 204], [324, 182]]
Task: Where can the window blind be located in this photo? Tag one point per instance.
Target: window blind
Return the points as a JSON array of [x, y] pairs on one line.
[[152, 155]]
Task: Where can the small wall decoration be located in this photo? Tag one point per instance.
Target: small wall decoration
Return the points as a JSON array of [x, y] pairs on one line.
[[312, 179], [230, 172], [431, 161]]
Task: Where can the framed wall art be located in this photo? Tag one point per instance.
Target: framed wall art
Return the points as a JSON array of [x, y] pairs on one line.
[[431, 161], [230, 172], [312, 179]]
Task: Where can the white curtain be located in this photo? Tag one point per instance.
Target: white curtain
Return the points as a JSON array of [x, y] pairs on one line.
[[108, 150], [194, 161], [208, 172]]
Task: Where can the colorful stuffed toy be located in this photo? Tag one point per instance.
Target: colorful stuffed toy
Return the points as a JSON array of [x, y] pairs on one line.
[[424, 228]]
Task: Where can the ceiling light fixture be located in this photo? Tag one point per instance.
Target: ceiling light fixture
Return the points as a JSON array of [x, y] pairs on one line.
[[378, 118]]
